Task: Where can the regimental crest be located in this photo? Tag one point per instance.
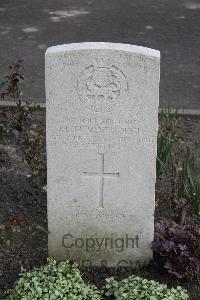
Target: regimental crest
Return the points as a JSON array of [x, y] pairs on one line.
[[102, 88]]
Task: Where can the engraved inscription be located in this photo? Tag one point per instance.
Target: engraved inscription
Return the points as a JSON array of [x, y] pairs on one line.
[[102, 88], [102, 134], [102, 174]]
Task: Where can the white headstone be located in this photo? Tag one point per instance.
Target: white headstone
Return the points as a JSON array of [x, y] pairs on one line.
[[102, 107]]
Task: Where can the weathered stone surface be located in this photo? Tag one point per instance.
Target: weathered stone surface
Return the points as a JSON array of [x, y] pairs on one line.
[[102, 106]]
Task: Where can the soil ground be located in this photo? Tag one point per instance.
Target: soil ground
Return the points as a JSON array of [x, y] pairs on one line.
[[22, 194]]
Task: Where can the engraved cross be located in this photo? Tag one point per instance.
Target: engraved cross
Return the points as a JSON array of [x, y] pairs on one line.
[[102, 174]]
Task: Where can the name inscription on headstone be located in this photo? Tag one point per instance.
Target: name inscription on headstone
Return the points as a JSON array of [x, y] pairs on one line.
[[100, 134]]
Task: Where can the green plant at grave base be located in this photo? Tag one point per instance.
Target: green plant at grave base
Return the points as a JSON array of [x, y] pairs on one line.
[[181, 173], [177, 249], [189, 185], [136, 288], [166, 135], [14, 234], [53, 281]]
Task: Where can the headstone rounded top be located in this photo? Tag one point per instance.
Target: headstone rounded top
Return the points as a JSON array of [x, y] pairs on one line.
[[104, 46]]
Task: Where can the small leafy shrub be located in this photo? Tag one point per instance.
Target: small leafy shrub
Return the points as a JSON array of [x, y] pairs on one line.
[[16, 125], [53, 281], [136, 288], [10, 86], [34, 151], [177, 249], [10, 89], [5, 131]]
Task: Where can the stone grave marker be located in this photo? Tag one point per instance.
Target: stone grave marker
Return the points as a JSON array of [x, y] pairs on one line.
[[102, 111]]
